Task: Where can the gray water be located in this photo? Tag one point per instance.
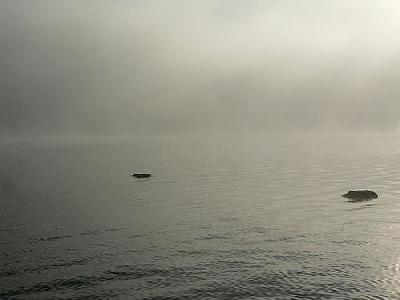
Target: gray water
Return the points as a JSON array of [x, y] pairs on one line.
[[256, 217]]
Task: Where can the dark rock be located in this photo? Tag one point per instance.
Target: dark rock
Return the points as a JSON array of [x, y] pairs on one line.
[[360, 195], [141, 175]]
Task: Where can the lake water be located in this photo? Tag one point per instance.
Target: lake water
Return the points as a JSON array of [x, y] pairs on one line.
[[245, 217]]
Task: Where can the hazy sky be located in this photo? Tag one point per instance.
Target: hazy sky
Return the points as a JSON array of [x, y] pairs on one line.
[[207, 65]]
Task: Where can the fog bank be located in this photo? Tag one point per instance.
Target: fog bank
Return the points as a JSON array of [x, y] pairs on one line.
[[198, 66]]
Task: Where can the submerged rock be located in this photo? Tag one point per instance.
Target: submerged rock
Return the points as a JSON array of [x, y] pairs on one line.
[[360, 195], [141, 175]]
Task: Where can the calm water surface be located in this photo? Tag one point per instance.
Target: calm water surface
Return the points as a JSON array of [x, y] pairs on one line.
[[256, 217]]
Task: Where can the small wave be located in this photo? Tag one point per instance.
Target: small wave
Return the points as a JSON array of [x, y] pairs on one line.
[[51, 238], [122, 273], [228, 219], [192, 252], [66, 236], [8, 273], [213, 237], [60, 284]]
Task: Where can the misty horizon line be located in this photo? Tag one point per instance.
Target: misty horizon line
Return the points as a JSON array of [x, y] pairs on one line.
[[4, 136]]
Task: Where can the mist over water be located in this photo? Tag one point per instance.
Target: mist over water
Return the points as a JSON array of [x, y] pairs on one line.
[[121, 67]]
